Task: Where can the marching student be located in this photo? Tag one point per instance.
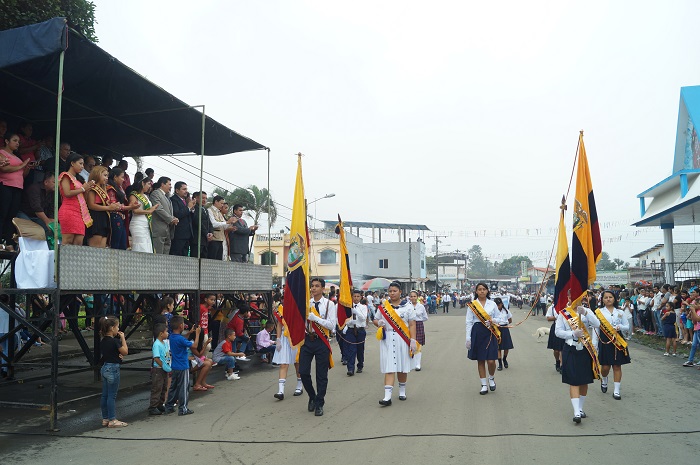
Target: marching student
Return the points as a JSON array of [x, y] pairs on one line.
[[285, 355], [421, 317], [323, 316], [612, 323], [504, 319], [555, 343], [577, 362], [354, 334], [482, 336], [397, 341]]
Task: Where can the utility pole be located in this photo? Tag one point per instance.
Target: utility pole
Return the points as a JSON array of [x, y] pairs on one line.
[[410, 266], [437, 262]]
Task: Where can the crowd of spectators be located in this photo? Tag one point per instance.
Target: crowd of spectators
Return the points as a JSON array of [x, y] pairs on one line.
[[99, 206]]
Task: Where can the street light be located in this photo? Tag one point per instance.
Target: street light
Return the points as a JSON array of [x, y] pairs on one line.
[[327, 196]]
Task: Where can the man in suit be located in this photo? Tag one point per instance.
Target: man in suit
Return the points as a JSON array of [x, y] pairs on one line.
[[200, 199], [163, 222], [182, 210], [239, 235], [219, 224]]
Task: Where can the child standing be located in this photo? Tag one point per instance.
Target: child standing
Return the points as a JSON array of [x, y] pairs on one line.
[[112, 350], [180, 374], [668, 324], [223, 353], [160, 370]]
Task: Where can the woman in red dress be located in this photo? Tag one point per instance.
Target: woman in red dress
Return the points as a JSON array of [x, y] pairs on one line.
[[74, 216]]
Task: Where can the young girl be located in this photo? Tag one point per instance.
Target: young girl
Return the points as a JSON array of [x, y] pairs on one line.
[[668, 323], [481, 342], [503, 320], [200, 363], [100, 208], [421, 317], [608, 354], [73, 215], [555, 343], [112, 350], [285, 355]]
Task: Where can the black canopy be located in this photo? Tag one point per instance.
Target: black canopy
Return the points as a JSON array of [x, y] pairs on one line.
[[108, 108]]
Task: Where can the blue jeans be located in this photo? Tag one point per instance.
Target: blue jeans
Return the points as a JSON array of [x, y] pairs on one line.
[[694, 347], [657, 321], [110, 386], [229, 360], [244, 343]]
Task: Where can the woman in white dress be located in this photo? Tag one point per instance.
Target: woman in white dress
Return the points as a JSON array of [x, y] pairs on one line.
[[394, 352], [285, 355], [421, 317], [140, 225]]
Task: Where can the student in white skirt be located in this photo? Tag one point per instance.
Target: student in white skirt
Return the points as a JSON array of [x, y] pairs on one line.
[[394, 355], [421, 317], [284, 356]]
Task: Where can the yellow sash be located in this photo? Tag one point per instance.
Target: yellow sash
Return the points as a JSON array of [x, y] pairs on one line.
[[326, 333], [481, 314], [613, 336], [575, 323], [397, 323]]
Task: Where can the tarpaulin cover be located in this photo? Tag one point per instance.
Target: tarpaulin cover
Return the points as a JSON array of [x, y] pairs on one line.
[[108, 108]]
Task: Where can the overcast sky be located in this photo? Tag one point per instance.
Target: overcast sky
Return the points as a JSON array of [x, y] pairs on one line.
[[460, 115]]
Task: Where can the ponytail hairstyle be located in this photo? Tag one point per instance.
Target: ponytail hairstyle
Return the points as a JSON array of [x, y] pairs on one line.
[[106, 324], [137, 185], [113, 173], [164, 302]]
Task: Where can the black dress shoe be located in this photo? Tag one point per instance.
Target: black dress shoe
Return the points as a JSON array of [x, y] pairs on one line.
[[319, 411], [279, 396], [402, 397], [344, 362], [617, 396], [604, 388], [168, 410], [577, 419], [492, 388], [312, 405], [350, 373], [583, 414], [505, 364], [500, 368], [385, 403], [359, 370], [298, 392], [161, 408], [483, 391], [154, 411]]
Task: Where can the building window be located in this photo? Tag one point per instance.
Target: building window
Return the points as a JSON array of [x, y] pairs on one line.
[[268, 258], [384, 263], [328, 257], [355, 259], [422, 264]]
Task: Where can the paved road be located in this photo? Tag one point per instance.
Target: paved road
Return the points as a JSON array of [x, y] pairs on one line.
[[524, 417]]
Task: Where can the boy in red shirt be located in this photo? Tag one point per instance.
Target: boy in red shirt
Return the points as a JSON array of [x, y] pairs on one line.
[[224, 354], [237, 324]]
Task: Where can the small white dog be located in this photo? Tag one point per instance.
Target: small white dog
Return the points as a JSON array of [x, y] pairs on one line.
[[543, 331]]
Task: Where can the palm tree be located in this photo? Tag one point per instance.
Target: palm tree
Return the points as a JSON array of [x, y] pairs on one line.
[[255, 200]]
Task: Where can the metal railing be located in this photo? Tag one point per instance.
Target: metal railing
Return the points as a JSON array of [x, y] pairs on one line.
[[666, 272]]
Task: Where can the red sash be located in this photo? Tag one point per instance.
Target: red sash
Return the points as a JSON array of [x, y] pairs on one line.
[[394, 325]]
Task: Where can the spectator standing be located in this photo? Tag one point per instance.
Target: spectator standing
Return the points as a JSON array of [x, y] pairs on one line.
[[159, 371], [88, 165], [163, 222], [12, 172], [219, 224], [28, 150], [207, 231], [112, 350], [239, 235], [100, 207], [694, 315], [446, 302], [63, 152], [180, 374], [124, 165], [118, 218], [150, 173], [182, 207], [668, 321], [140, 225], [74, 215]]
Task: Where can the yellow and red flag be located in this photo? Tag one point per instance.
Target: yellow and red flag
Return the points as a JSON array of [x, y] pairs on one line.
[[345, 291], [562, 280]]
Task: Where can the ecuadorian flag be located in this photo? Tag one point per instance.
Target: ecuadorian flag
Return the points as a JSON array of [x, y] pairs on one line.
[[296, 287], [563, 276], [586, 246], [345, 291]]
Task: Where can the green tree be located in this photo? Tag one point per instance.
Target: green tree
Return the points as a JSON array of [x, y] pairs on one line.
[[479, 267], [605, 264], [80, 14], [511, 266], [255, 200]]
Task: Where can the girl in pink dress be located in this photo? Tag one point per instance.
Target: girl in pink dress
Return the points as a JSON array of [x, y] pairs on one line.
[[74, 216], [12, 170]]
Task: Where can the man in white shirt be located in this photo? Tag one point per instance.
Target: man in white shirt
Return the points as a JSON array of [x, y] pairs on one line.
[[317, 345], [641, 313], [446, 303], [355, 333]]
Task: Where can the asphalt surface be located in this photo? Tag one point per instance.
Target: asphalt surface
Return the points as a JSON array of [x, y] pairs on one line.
[[443, 421]]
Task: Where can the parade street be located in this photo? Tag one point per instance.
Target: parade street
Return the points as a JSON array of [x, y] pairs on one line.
[[444, 420]]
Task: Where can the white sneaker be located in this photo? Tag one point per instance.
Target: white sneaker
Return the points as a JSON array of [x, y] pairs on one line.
[[666, 354], [232, 377], [243, 359]]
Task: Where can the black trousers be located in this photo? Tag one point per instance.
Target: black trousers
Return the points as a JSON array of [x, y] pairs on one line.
[[215, 250], [317, 349], [180, 247], [355, 348]]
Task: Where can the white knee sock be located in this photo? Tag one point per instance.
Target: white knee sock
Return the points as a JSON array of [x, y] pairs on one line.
[[402, 389], [387, 392], [281, 386], [581, 401], [299, 385], [417, 359], [492, 382], [605, 381], [617, 388], [483, 381], [575, 403]]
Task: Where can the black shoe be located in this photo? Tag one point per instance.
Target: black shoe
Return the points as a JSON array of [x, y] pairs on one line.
[[359, 370], [168, 410], [505, 363], [319, 411], [484, 390], [583, 414], [500, 368], [385, 403], [279, 396], [577, 419], [298, 392], [344, 362], [161, 408], [185, 412], [312, 405], [492, 388], [617, 396], [351, 373], [604, 388], [402, 397], [154, 411], [417, 368]]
